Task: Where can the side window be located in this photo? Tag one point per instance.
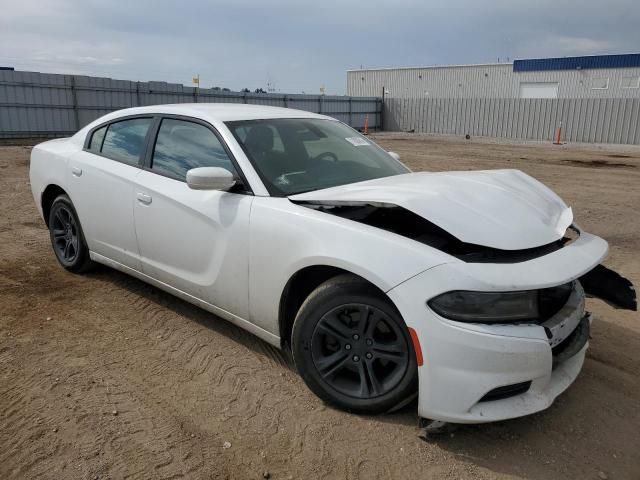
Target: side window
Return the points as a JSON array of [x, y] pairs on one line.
[[124, 140], [183, 145], [96, 139]]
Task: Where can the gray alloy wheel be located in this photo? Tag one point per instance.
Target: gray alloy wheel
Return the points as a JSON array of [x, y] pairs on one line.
[[359, 350], [352, 348], [66, 236]]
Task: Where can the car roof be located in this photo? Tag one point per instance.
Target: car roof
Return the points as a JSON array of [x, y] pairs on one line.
[[220, 111], [213, 113]]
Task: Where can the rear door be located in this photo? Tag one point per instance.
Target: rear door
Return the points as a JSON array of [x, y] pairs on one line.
[[101, 185], [194, 240]]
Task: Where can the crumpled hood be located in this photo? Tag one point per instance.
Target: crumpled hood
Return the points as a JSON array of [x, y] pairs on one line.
[[504, 209]]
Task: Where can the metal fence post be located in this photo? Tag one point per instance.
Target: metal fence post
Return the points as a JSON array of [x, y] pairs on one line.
[[382, 109], [74, 100]]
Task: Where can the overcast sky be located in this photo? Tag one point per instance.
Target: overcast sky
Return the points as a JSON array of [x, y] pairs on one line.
[[297, 45]]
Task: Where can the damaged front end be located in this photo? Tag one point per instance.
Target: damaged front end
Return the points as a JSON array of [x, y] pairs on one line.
[[600, 282], [481, 372], [401, 221], [502, 326]]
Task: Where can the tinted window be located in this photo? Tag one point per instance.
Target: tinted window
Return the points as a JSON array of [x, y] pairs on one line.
[[182, 145], [97, 138], [124, 140]]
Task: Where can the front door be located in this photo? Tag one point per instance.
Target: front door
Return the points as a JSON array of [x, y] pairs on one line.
[[193, 240]]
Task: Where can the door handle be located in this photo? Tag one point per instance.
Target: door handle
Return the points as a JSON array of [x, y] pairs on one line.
[[144, 198], [76, 171]]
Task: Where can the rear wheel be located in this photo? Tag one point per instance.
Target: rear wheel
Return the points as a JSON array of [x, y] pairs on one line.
[[352, 347], [66, 236]]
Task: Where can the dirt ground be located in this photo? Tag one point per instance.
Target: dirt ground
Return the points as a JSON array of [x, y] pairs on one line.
[[103, 376]]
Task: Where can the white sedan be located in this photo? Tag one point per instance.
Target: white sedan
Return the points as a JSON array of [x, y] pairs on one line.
[[459, 287]]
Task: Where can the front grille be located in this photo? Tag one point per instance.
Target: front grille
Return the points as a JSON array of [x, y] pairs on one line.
[[571, 345], [506, 391]]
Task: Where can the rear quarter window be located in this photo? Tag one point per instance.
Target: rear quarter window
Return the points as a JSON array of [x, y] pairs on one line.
[[95, 144]]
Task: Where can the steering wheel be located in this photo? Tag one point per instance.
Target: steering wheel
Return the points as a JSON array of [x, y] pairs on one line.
[[328, 155]]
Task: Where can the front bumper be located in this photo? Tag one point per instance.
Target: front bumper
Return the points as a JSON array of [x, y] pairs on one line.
[[464, 362]]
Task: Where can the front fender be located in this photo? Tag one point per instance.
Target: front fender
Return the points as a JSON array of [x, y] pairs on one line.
[[285, 238]]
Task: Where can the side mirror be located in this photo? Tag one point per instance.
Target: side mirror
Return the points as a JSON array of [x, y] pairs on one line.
[[210, 178], [394, 155]]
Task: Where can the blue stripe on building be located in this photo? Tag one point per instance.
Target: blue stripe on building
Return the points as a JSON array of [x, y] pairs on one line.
[[578, 63]]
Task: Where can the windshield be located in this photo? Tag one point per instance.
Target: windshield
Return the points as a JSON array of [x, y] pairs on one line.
[[295, 155]]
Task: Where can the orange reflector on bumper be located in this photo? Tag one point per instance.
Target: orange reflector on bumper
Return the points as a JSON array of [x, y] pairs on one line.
[[416, 346]]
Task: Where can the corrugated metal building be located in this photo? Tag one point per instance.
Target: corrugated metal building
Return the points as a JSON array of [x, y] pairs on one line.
[[598, 76]]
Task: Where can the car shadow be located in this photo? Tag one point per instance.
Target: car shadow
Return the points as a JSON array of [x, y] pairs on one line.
[[194, 313]]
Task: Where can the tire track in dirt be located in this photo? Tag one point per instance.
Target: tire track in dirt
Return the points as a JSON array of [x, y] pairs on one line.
[[106, 394], [178, 344], [34, 424]]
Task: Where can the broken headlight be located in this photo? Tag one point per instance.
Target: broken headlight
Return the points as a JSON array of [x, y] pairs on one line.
[[487, 307]]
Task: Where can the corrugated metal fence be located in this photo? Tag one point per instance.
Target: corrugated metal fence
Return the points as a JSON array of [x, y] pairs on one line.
[[50, 105], [606, 120]]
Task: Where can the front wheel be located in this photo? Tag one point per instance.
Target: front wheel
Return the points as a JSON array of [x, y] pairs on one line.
[[66, 236], [352, 347]]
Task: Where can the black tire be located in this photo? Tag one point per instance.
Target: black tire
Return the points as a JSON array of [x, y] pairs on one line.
[[66, 236], [352, 348]]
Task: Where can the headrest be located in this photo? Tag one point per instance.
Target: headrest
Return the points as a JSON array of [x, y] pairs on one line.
[[259, 138]]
